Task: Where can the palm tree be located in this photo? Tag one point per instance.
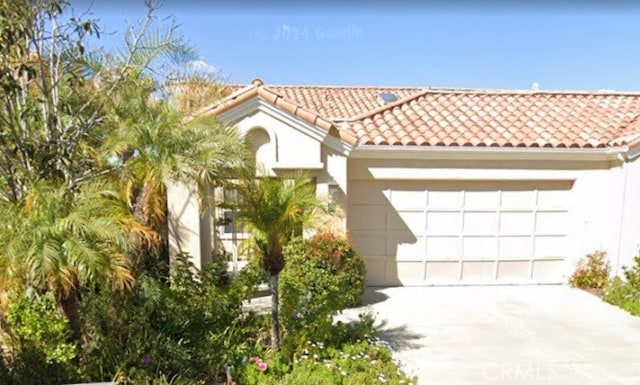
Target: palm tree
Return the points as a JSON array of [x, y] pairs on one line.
[[275, 210], [61, 242], [156, 144]]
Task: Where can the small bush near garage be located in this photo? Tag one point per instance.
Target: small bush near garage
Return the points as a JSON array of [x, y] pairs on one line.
[[323, 276], [592, 272], [626, 293]]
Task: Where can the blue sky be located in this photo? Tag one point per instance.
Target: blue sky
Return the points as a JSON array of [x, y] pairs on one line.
[[486, 46]]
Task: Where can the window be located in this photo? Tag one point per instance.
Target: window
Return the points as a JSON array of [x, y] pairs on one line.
[[231, 223], [229, 206]]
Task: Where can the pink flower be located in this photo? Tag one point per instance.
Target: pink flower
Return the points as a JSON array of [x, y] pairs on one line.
[[262, 366]]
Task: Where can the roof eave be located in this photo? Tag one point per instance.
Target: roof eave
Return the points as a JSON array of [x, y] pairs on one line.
[[460, 152]]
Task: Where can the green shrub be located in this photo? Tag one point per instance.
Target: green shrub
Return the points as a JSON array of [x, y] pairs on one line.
[[323, 276], [626, 293], [623, 295], [592, 272], [632, 274], [192, 327], [37, 339]]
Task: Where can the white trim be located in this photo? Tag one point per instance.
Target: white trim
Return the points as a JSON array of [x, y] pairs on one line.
[[452, 174], [624, 169], [257, 104], [516, 153], [236, 113], [314, 166]]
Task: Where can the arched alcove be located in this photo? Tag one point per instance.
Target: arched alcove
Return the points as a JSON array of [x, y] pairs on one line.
[[262, 146]]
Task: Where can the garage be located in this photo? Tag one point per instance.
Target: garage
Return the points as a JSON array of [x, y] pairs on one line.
[[425, 232]]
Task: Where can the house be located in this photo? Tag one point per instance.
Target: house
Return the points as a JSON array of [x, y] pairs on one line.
[[448, 186]]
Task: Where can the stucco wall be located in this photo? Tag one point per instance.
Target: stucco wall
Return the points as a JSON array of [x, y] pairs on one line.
[[189, 226], [287, 147], [629, 200]]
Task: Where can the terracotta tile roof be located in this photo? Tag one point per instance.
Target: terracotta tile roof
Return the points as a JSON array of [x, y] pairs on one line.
[[340, 103], [458, 117], [257, 89], [504, 119]]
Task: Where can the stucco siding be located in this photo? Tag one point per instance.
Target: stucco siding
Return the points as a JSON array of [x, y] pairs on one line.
[[629, 202], [189, 228]]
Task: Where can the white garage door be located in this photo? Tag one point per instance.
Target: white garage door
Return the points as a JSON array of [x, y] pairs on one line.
[[469, 232]]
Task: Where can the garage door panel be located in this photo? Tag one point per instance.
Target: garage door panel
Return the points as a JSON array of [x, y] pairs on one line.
[[479, 223], [410, 272], [444, 222], [409, 199], [413, 221], [371, 243], [517, 223], [445, 199], [478, 271], [376, 270], [547, 270], [442, 271], [444, 248], [514, 270], [368, 218], [517, 247], [406, 250], [479, 248]]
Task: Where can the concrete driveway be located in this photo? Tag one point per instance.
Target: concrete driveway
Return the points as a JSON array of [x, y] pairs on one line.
[[511, 335]]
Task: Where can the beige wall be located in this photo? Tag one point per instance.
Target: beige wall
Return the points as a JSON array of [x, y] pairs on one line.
[[281, 146], [628, 198], [286, 147], [189, 226]]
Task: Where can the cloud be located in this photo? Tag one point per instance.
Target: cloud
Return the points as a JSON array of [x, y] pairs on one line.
[[202, 67]]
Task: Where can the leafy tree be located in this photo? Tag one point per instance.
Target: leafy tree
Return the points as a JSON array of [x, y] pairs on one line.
[[276, 210], [73, 124]]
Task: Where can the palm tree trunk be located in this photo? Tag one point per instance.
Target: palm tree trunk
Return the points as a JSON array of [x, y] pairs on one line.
[[275, 307], [70, 306], [141, 250]]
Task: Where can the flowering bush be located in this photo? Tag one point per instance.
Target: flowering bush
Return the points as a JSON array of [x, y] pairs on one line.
[[261, 365], [323, 276], [592, 272], [353, 354]]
